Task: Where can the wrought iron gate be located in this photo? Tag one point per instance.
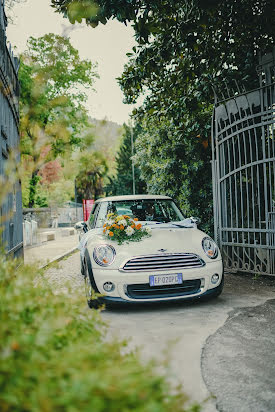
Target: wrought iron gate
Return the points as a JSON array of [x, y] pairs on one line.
[[243, 149]]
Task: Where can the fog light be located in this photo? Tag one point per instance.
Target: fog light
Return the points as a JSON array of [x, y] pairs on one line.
[[202, 283], [108, 286], [215, 278]]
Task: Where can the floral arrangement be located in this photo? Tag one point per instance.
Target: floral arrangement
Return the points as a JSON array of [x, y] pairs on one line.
[[122, 228]]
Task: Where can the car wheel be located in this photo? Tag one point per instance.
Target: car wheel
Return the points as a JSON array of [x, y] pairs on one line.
[[92, 301]]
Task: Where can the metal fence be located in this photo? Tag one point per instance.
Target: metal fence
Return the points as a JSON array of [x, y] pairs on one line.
[[30, 232], [243, 148], [11, 209]]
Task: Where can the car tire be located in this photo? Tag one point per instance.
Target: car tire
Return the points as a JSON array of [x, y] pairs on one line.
[[92, 301]]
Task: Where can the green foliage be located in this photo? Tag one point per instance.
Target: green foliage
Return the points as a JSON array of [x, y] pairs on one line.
[[52, 78], [107, 140], [92, 168], [177, 163], [185, 50], [60, 192], [55, 356], [32, 188], [122, 183]]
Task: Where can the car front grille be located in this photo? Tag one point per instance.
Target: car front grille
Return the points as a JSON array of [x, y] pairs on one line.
[[145, 291], [164, 261]]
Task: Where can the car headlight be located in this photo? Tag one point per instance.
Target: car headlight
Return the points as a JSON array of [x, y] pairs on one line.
[[104, 255], [210, 248]]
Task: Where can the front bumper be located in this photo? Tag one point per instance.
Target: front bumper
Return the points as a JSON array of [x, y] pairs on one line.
[[200, 278], [207, 294]]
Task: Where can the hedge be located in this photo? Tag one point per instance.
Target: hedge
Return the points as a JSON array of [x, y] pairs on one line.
[[54, 355]]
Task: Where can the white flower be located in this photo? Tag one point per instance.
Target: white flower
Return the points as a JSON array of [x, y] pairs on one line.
[[129, 231], [148, 230], [123, 222], [110, 222], [107, 232]]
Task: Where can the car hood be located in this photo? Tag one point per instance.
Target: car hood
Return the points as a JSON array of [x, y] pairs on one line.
[[164, 239]]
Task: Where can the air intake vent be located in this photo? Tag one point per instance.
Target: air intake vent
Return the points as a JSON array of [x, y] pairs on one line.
[[164, 261]]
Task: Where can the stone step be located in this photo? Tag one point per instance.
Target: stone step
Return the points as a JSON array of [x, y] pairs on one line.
[[47, 236], [68, 231]]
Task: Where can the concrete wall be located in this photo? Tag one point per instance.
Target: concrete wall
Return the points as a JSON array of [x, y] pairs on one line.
[[67, 216]]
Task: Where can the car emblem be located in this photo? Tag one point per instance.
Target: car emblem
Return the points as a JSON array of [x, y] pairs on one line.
[[162, 250]]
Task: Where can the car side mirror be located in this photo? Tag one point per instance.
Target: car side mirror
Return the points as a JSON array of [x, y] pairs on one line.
[[195, 220], [81, 226]]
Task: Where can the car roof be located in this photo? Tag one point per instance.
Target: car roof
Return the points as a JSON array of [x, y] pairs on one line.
[[132, 197]]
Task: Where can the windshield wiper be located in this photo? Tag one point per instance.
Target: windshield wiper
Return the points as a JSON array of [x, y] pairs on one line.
[[186, 223]]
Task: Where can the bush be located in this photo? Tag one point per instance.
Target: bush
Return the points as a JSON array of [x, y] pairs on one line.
[[55, 357]]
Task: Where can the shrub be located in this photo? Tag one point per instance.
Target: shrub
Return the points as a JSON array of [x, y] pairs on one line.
[[54, 355]]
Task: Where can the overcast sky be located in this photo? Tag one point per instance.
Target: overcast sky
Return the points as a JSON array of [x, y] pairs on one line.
[[107, 45]]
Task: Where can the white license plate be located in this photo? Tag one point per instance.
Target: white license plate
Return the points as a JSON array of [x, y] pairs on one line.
[[159, 280]]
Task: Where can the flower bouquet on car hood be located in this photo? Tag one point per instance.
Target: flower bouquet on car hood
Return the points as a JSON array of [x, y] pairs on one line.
[[122, 228]]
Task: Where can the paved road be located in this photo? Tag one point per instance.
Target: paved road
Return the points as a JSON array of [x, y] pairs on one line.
[[45, 252], [202, 340], [246, 352]]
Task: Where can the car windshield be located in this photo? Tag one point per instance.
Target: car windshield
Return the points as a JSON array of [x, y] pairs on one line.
[[146, 210]]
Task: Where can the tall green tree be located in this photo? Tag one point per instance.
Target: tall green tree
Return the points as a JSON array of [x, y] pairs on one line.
[[53, 79], [92, 168], [122, 183], [185, 50]]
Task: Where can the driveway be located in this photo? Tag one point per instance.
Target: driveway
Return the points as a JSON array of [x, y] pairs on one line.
[[211, 345], [223, 348]]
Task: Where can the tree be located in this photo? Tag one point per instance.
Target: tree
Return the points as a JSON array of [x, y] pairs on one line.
[[177, 164], [89, 180], [50, 172], [122, 183], [52, 78], [185, 51]]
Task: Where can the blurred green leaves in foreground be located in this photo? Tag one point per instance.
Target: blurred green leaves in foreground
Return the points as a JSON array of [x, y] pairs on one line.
[[54, 355]]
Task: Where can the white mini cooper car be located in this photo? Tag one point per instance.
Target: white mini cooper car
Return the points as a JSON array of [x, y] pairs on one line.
[[176, 261]]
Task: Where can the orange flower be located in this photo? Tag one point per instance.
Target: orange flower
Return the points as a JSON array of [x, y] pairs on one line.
[[121, 227], [108, 227], [111, 234], [126, 217], [135, 219], [133, 226], [15, 346], [113, 225], [138, 226], [117, 227], [104, 230], [104, 225]]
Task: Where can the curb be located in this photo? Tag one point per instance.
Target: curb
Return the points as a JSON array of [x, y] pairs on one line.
[[59, 257]]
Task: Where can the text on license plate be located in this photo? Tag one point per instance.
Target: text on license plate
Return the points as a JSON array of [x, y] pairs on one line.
[[157, 280]]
